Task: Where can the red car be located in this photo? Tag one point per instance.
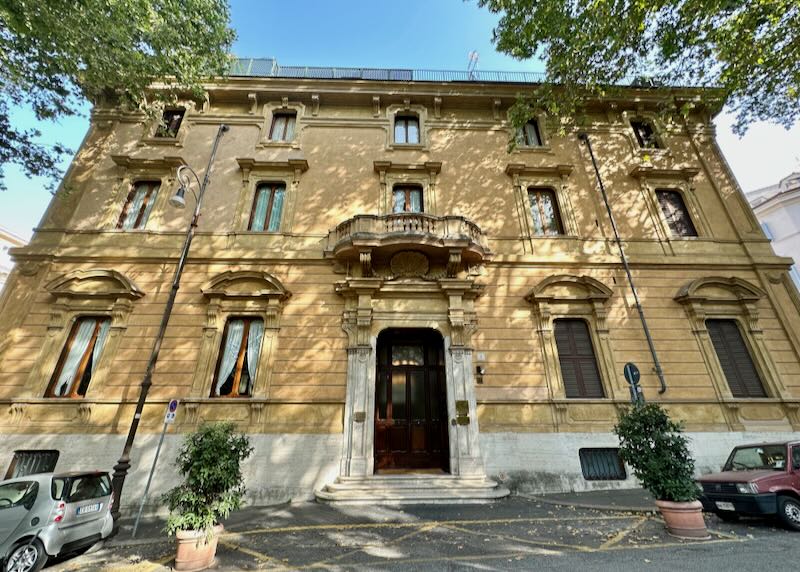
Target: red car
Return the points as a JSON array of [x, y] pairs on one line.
[[757, 480]]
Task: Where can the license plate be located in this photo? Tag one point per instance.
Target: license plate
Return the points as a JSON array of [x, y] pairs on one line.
[[89, 508], [725, 505]]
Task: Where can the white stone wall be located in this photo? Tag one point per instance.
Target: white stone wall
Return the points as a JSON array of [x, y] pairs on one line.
[[549, 463], [281, 468]]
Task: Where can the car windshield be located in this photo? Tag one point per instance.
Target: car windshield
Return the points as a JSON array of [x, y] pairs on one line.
[[15, 494], [758, 457]]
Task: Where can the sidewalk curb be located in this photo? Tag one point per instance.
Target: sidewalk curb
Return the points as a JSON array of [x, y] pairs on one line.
[[609, 508]]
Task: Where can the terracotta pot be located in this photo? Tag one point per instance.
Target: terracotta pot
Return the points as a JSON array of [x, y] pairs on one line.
[[196, 551], [683, 519]]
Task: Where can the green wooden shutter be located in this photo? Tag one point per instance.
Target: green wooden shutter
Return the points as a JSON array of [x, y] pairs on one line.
[[576, 357], [740, 372]]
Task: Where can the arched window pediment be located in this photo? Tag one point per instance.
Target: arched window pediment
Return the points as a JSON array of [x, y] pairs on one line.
[[568, 287], [719, 289], [239, 284], [96, 283]]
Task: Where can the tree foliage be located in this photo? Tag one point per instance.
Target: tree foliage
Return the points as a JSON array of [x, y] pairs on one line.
[[749, 49], [56, 53], [210, 461], [657, 451]]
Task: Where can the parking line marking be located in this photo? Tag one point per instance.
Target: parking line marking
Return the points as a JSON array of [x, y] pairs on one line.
[[622, 534], [542, 543], [249, 551], [368, 525]]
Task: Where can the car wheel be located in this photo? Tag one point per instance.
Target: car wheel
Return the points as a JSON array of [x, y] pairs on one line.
[[25, 557], [789, 512], [728, 516]]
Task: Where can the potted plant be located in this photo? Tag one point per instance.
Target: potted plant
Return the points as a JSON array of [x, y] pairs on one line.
[[210, 462], [653, 446]]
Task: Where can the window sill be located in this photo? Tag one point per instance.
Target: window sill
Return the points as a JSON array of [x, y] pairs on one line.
[[279, 144], [162, 141], [544, 149], [554, 237], [408, 146]]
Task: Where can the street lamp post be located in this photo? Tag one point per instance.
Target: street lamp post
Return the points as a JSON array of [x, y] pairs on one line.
[[178, 201]]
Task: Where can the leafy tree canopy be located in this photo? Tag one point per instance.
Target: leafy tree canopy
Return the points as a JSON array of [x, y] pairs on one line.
[[55, 53], [750, 49]]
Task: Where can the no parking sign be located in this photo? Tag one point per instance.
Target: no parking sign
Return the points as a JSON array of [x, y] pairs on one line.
[[172, 411]]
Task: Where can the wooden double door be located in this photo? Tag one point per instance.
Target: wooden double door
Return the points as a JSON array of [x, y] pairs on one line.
[[410, 401]]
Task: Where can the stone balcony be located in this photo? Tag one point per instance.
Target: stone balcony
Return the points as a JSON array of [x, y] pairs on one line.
[[452, 242]]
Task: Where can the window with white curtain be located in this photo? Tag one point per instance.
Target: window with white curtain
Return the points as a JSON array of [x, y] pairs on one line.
[[267, 207], [79, 359], [238, 357], [407, 199], [406, 129], [528, 135], [138, 205]]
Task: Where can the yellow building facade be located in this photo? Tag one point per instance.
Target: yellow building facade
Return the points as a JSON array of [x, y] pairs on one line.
[[391, 300]]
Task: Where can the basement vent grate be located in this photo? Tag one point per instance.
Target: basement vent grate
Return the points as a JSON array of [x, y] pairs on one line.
[[32, 462], [602, 465]]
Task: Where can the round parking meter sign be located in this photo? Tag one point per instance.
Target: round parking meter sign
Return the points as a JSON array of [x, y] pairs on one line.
[[172, 411]]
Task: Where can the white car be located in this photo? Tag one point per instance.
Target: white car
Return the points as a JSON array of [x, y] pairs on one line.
[[50, 514]]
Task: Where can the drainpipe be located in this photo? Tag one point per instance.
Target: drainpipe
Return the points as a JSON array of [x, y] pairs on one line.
[[659, 372]]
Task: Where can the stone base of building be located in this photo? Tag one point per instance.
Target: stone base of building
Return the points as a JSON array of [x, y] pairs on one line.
[[291, 467]]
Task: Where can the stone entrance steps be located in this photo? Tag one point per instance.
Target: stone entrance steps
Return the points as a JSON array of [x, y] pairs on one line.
[[411, 489]]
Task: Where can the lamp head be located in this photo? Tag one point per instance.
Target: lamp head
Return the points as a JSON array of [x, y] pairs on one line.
[[178, 200]]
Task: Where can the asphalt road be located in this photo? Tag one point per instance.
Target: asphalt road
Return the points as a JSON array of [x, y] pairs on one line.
[[514, 534]]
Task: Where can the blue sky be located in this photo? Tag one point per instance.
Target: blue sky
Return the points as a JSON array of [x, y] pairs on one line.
[[432, 34]]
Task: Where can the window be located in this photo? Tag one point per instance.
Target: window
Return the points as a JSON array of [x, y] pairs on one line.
[[170, 123], [674, 209], [734, 357], [238, 358], [406, 129], [32, 463], [79, 358], [576, 358], [645, 134], [528, 135], [267, 207], [767, 230], [602, 465], [138, 205], [18, 494], [282, 128], [407, 199], [544, 212]]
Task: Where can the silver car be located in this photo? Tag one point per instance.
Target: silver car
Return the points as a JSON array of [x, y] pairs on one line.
[[50, 514]]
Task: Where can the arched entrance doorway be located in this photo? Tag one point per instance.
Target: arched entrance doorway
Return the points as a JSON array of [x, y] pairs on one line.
[[410, 401]]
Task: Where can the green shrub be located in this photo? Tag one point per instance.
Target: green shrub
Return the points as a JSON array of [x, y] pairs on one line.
[[210, 462], [655, 448]]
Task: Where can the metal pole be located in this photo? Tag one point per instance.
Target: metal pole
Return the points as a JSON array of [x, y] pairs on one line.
[[124, 462], [659, 372], [149, 480]]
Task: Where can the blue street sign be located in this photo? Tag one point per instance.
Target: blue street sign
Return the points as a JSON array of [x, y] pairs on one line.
[[632, 374]]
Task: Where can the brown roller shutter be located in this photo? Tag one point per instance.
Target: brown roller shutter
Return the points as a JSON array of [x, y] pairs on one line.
[[740, 372], [576, 357]]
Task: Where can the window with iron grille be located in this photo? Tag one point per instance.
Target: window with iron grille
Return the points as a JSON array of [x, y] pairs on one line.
[[170, 123], [544, 212], [406, 129], [577, 360], [675, 211], [138, 205], [602, 464], [645, 134], [282, 128], [734, 357], [32, 463], [529, 135]]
